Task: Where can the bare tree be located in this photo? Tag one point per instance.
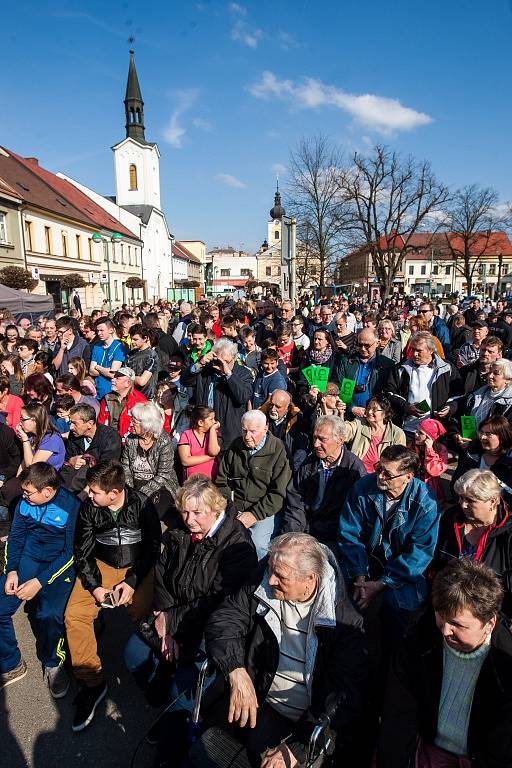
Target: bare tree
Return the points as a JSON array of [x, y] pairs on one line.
[[307, 257], [472, 221], [313, 194], [391, 199]]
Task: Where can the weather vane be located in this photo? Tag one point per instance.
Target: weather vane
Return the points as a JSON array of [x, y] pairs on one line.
[[131, 39]]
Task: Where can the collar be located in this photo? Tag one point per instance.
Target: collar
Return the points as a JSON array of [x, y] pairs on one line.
[[330, 467], [259, 446]]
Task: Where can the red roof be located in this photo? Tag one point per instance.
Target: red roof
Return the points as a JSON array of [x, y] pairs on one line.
[[8, 190], [45, 190], [183, 253]]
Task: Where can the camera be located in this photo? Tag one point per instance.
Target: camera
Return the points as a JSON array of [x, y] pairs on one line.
[[359, 388]]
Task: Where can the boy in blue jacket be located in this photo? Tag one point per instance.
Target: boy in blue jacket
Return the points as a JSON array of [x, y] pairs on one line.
[[268, 378], [39, 558]]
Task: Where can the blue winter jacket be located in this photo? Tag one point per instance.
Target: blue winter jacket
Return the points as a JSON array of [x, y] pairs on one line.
[[403, 548], [441, 331]]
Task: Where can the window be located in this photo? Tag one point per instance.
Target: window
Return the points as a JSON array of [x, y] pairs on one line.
[[245, 272], [136, 257], [29, 236], [411, 269], [89, 243], [64, 237], [47, 240], [130, 255], [448, 269], [492, 269], [278, 270], [423, 269], [114, 252], [3, 228], [225, 272], [435, 269], [268, 271], [447, 288], [122, 253], [133, 177], [276, 235], [78, 247], [312, 271], [116, 291]]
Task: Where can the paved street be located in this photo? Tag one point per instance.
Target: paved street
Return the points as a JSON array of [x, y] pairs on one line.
[[35, 730]]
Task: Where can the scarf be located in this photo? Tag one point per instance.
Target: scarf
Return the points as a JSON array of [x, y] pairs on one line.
[[320, 358]]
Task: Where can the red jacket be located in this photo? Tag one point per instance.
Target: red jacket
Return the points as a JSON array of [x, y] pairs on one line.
[[125, 420]]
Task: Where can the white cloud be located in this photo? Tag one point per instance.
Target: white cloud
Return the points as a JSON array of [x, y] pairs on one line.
[[287, 41], [279, 168], [202, 124], [243, 33], [377, 112], [175, 131], [239, 9], [230, 181]]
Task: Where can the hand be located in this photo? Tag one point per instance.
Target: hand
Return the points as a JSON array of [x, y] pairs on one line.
[[279, 757], [247, 519], [462, 441], [76, 462], [8, 367], [160, 624], [100, 594], [367, 592], [1, 483], [341, 407], [124, 593], [340, 344], [243, 703], [443, 412], [413, 411], [169, 648], [205, 359], [11, 583], [358, 411], [313, 392], [28, 590], [222, 366], [429, 443], [215, 426], [21, 432]]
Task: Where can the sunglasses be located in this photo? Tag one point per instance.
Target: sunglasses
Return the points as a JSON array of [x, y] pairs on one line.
[[379, 470]]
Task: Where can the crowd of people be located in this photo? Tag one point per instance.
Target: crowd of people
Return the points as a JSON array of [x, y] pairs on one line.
[[313, 496]]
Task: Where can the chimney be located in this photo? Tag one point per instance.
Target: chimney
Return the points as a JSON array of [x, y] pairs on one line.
[[32, 160]]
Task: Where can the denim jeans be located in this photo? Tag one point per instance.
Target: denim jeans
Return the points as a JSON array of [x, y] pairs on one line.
[[262, 532]]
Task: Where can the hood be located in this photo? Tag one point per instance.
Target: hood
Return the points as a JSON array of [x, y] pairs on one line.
[[505, 397]]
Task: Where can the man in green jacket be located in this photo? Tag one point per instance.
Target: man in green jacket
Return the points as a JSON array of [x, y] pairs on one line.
[[254, 474]]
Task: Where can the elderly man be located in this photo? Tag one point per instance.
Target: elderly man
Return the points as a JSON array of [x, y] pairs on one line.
[[285, 422], [319, 487], [387, 536], [423, 385], [115, 408], [474, 375], [437, 325], [87, 444], [289, 650], [449, 697], [469, 351], [254, 473], [369, 369], [180, 329], [222, 385]]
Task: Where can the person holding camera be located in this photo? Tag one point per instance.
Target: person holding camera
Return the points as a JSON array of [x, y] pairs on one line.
[[117, 543]]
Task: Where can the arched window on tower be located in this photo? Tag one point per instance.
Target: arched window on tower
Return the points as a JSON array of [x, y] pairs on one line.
[[139, 121], [133, 177]]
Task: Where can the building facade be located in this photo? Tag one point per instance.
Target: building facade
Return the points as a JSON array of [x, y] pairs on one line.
[[228, 269]]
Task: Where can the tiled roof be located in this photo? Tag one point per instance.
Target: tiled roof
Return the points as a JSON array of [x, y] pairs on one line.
[[8, 190], [142, 211]]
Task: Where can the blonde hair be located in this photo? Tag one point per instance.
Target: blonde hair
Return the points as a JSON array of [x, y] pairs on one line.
[[201, 488]]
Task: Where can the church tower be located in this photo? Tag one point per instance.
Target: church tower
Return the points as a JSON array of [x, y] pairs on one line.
[[136, 161]]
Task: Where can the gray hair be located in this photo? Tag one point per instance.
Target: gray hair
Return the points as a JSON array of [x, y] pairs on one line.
[[150, 416], [478, 484], [83, 411], [337, 425], [255, 416], [386, 321], [426, 337], [505, 367], [302, 552], [225, 345]]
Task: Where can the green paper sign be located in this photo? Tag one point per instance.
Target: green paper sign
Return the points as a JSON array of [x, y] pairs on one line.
[[468, 426], [317, 376], [347, 387], [424, 407]]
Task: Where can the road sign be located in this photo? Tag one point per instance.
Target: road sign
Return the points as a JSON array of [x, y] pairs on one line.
[[103, 278]]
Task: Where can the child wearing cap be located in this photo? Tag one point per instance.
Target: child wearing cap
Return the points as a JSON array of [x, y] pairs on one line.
[[433, 454]]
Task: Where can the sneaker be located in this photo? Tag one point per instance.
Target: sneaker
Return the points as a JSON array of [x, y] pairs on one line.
[[86, 701], [6, 678], [58, 681]]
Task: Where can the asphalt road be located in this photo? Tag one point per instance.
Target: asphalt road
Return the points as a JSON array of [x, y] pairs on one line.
[[35, 730]]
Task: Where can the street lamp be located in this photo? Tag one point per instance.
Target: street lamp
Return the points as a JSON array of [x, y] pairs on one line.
[[114, 238]]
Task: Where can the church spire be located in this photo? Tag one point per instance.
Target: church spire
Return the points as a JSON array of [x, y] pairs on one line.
[[277, 212], [133, 104]]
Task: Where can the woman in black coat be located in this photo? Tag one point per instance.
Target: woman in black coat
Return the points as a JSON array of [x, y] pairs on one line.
[[489, 451], [209, 556]]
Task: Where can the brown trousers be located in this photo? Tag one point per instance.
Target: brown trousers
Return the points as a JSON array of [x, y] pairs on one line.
[[82, 610]]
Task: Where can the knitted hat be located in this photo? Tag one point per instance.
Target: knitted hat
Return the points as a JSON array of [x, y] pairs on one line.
[[433, 428]]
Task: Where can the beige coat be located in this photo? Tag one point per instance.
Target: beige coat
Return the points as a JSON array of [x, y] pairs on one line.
[[359, 436]]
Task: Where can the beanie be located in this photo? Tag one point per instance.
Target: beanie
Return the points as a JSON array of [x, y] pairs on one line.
[[432, 428]]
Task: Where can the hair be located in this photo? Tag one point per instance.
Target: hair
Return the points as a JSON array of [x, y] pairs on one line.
[[84, 412], [228, 321], [302, 552], [40, 384], [426, 337], [202, 489], [269, 354], [386, 406], [337, 425], [31, 344], [107, 475], [492, 341], [199, 413], [478, 484], [46, 359], [79, 364], [296, 319], [151, 417], [40, 475], [15, 361], [427, 304], [67, 322], [256, 416], [328, 336], [371, 317], [141, 330], [246, 331], [43, 425], [465, 584], [68, 382], [505, 367], [12, 327], [64, 403], [225, 345], [502, 428], [5, 384], [386, 321], [105, 321], [270, 342], [408, 460], [285, 329], [333, 386]]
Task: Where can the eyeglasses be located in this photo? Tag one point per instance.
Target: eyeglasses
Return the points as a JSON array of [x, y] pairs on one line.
[[28, 494], [379, 470], [366, 346], [486, 434], [424, 311], [374, 410], [27, 418]]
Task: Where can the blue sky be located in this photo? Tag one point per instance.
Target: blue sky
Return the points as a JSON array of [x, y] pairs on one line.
[[229, 89]]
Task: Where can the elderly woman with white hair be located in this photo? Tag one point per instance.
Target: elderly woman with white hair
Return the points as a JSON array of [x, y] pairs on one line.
[[495, 398], [479, 528], [254, 473], [289, 651], [389, 344], [148, 457]]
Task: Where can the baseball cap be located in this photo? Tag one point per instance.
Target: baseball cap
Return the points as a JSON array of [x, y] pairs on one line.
[[175, 364], [125, 371], [479, 324]]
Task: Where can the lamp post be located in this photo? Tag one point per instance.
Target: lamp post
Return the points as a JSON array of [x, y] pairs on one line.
[[114, 238]]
